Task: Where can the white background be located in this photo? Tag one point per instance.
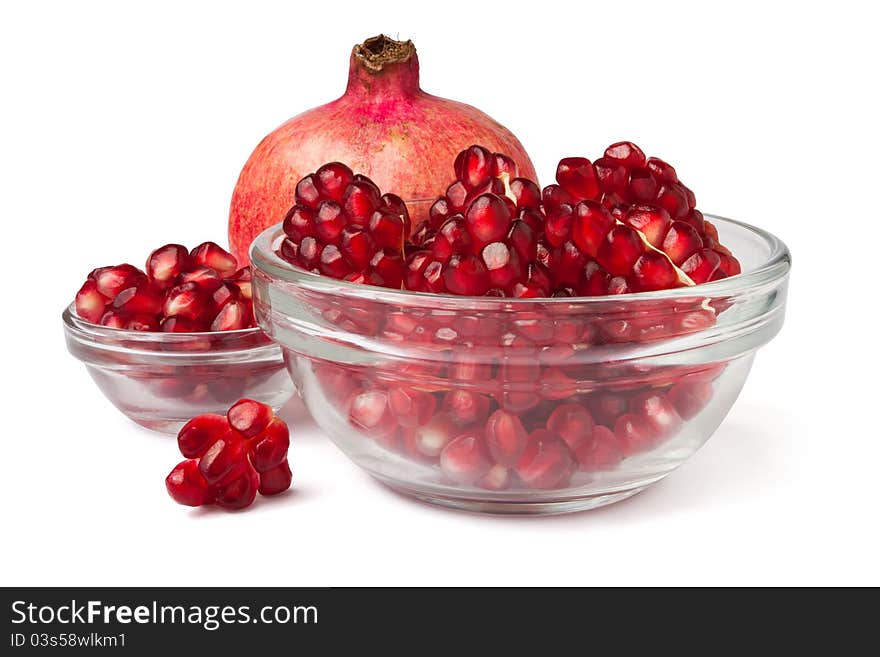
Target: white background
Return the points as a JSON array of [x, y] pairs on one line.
[[124, 127]]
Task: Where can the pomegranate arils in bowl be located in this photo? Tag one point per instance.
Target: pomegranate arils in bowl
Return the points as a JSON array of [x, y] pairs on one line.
[[230, 458], [176, 340]]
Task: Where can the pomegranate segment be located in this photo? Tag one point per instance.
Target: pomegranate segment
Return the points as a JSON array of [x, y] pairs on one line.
[[231, 458]]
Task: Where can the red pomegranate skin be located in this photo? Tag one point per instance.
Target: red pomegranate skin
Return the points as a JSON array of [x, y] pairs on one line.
[[383, 126]]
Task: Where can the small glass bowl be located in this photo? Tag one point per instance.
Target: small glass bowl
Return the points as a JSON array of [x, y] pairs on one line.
[[162, 380], [393, 375]]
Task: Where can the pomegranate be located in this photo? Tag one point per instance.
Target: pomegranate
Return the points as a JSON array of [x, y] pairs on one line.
[[384, 126], [231, 458]]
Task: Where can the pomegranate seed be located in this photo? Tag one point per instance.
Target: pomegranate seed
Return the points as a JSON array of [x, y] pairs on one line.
[[466, 408], [488, 219], [233, 316], [465, 459], [611, 174], [369, 412], [654, 271], [526, 193], [572, 422], [600, 451], [140, 300], [276, 480], [466, 275], [497, 478], [182, 325], [661, 170], [111, 281], [299, 223], [411, 407], [653, 222], [681, 242], [432, 437], [166, 263], [90, 304], [546, 462], [224, 460], [451, 239], [113, 320], [690, 398], [186, 300], [268, 449], [701, 265], [223, 295], [473, 167], [306, 192], [634, 434], [205, 277], [360, 200], [506, 437], [142, 323], [658, 411], [620, 250], [387, 230], [241, 491], [626, 153], [642, 186], [559, 224], [213, 256], [577, 176], [567, 264], [607, 407], [673, 198], [199, 433], [186, 485], [249, 417], [332, 180], [590, 226]]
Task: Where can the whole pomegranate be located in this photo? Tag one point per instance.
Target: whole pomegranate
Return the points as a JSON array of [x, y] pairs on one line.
[[383, 126]]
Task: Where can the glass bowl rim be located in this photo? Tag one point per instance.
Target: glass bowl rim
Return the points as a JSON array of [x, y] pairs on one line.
[[775, 267]]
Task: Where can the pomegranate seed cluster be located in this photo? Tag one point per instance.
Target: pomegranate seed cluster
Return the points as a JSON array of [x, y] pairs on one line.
[[231, 458], [539, 435], [180, 291], [624, 223]]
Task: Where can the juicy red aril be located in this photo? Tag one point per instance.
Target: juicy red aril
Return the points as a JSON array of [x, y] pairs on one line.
[[658, 411], [142, 323], [681, 241], [369, 412], [239, 492], [626, 153], [506, 437], [590, 226], [186, 300], [653, 271], [89, 303], [110, 281], [466, 275], [186, 485], [690, 398], [205, 277], [199, 433], [653, 222], [213, 256], [233, 316], [269, 447], [465, 459], [432, 437], [473, 167], [488, 220], [497, 478], [634, 434], [601, 451], [546, 462], [701, 265], [466, 408], [411, 407], [225, 458], [249, 417], [113, 320], [572, 422], [620, 250], [332, 179], [360, 200], [277, 480], [182, 325], [503, 265], [577, 176], [166, 263], [140, 300]]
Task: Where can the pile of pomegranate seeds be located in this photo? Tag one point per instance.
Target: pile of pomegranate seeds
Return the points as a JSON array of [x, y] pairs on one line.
[[343, 226], [229, 459], [624, 223], [181, 291], [537, 438]]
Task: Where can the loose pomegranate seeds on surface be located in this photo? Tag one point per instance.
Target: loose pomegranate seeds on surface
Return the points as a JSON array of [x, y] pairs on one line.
[[231, 458], [180, 292]]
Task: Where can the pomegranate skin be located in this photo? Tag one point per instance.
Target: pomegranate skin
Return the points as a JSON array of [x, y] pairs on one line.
[[383, 126]]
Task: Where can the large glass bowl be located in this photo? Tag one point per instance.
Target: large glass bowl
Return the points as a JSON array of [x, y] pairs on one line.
[[588, 400]]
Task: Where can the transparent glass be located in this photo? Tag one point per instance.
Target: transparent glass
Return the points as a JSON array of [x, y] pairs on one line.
[[396, 377], [162, 380]]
